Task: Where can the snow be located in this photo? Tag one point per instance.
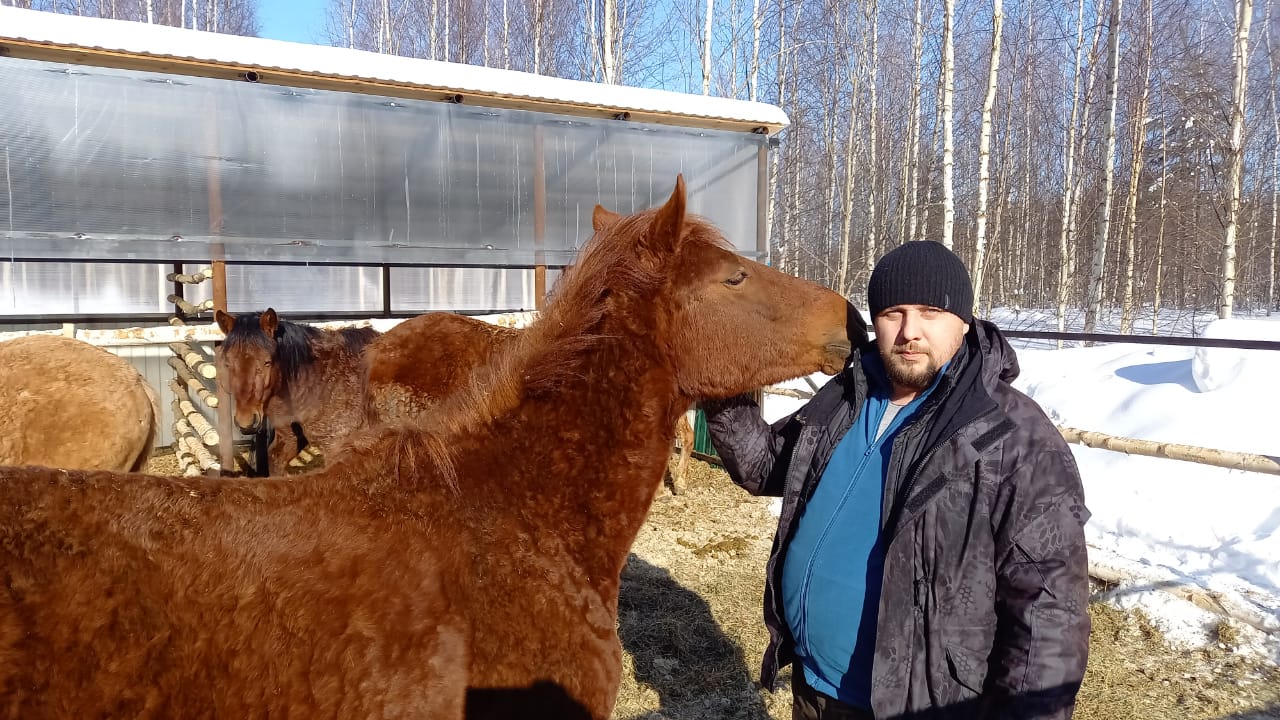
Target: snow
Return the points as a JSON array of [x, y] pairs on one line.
[[1171, 531], [134, 38]]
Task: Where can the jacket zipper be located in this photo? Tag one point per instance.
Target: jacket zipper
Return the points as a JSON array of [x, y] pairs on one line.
[[911, 481]]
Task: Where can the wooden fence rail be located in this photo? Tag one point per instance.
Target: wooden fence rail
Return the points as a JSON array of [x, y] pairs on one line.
[[1173, 451]]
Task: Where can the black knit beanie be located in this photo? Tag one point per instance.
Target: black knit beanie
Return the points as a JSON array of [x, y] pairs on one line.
[[921, 273]]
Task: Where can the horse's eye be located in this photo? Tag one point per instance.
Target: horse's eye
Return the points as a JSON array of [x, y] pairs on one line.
[[737, 278]]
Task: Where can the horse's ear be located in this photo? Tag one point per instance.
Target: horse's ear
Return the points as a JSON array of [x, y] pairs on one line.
[[225, 321], [269, 322], [602, 218], [669, 222]]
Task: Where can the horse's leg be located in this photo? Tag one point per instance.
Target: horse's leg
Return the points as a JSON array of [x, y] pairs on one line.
[[284, 446], [684, 431]]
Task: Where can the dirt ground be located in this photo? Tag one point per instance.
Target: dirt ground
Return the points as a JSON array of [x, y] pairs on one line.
[[691, 628], [689, 619]]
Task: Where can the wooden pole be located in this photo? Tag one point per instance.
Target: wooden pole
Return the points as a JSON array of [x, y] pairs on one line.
[[539, 219], [1173, 451], [226, 449]]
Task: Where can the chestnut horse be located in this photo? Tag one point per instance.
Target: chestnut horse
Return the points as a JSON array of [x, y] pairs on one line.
[[465, 566], [68, 404], [412, 367], [415, 365], [289, 373]]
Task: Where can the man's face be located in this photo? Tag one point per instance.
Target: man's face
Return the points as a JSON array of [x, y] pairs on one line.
[[915, 342]]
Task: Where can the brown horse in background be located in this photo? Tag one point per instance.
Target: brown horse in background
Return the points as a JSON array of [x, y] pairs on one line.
[[68, 404], [467, 566], [415, 365], [290, 373]]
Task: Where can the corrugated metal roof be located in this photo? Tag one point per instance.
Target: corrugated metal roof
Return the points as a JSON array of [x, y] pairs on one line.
[[93, 41]]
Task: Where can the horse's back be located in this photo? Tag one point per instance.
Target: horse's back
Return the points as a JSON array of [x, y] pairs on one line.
[[134, 596], [419, 362], [65, 403]]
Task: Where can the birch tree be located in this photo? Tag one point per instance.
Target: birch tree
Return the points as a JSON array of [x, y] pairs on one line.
[[1094, 306], [753, 76], [984, 153], [706, 49], [1240, 61], [1138, 136], [948, 128], [1066, 239], [910, 207], [873, 22], [1275, 163]]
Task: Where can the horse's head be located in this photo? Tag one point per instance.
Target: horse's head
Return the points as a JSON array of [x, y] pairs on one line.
[[733, 324], [246, 362]]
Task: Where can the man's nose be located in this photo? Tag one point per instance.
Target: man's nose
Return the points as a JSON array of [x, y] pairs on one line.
[[911, 326]]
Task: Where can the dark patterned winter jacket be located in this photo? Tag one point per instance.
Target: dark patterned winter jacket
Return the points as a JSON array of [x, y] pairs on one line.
[[983, 610]]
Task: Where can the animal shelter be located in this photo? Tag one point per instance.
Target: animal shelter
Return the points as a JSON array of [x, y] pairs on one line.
[[153, 174]]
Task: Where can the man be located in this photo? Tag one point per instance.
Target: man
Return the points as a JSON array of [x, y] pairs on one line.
[[929, 560]]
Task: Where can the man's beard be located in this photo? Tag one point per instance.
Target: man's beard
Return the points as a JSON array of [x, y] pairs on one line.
[[912, 376]]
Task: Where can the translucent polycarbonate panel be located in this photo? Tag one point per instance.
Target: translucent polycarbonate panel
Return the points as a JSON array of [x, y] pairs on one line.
[[108, 163], [462, 289], [47, 288], [314, 288]]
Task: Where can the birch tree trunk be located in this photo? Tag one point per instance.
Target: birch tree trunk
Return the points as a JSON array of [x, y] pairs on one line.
[[1138, 143], [706, 50], [1066, 240], [948, 130], [609, 16], [854, 72], [1024, 244], [506, 37], [984, 154], [351, 24], [753, 78], [446, 31], [911, 175], [873, 67], [775, 175], [1108, 173], [1275, 166], [1159, 269], [1240, 56], [433, 32]]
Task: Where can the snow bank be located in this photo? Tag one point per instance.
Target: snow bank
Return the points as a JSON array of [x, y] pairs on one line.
[[1216, 368]]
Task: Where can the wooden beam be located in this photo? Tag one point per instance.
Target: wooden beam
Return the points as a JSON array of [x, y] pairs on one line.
[[385, 88]]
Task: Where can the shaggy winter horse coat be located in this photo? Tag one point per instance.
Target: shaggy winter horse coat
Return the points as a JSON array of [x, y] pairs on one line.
[[465, 566], [290, 373], [67, 404]]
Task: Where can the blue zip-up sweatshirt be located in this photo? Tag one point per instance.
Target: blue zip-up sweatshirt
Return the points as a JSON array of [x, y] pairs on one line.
[[833, 567]]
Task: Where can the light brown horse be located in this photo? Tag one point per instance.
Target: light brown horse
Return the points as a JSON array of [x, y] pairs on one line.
[[65, 403], [290, 373], [415, 365], [467, 566]]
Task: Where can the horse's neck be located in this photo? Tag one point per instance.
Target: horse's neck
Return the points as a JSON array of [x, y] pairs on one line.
[[325, 384], [609, 441]]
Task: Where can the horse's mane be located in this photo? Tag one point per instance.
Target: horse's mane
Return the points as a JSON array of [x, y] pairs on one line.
[[293, 351], [551, 354]]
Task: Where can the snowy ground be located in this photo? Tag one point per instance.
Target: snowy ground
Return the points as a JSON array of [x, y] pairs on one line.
[[1174, 530]]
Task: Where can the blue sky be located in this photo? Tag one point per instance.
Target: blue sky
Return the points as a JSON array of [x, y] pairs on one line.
[[295, 20]]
